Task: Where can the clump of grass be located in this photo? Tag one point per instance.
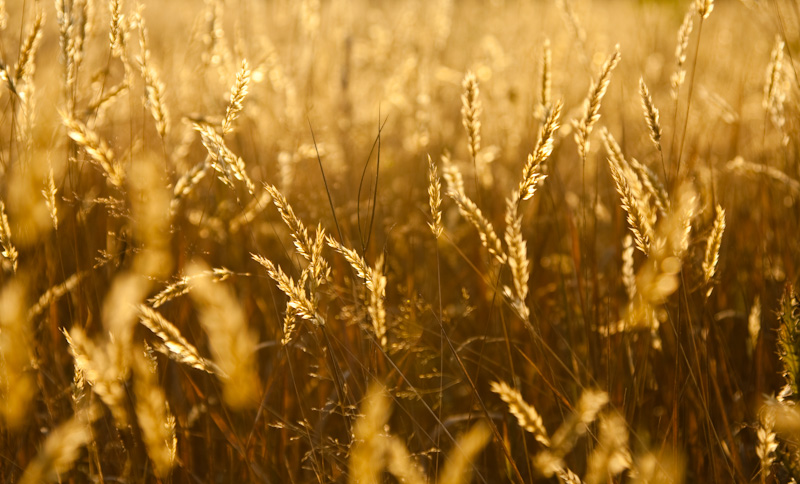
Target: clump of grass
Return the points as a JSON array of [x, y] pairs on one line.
[[595, 279]]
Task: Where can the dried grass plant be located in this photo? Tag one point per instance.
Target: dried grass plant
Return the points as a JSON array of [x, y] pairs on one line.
[[388, 192]]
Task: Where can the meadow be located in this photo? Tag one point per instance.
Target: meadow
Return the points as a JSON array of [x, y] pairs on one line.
[[410, 241]]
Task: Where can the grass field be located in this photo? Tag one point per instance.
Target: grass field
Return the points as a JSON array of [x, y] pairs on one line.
[[401, 241]]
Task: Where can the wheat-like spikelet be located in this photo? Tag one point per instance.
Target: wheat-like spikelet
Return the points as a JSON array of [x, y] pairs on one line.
[[470, 211], [153, 85], [473, 214], [591, 105], [435, 198], [527, 416], [640, 218], [679, 76], [377, 308], [642, 178], [517, 258], [3, 15], [299, 303], [27, 52], [767, 442], [78, 387], [227, 164], [238, 93], [375, 282], [72, 34], [568, 477], [49, 192], [289, 324], [739, 165], [174, 290], [223, 160], [652, 184], [452, 175], [789, 340], [650, 114], [309, 248], [103, 369], [96, 148], [232, 342], [545, 93], [55, 293], [17, 386], [183, 285], [179, 349], [611, 456], [676, 230], [712, 248], [152, 412], [116, 31], [9, 252], [532, 173], [471, 112], [628, 274], [754, 324], [60, 450], [8, 79], [776, 88], [88, 17], [774, 73], [457, 468], [704, 7]]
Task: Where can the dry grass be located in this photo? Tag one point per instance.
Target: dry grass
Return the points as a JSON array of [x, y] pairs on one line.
[[330, 241]]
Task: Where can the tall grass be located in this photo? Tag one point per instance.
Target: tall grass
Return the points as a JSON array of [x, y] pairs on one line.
[[355, 241]]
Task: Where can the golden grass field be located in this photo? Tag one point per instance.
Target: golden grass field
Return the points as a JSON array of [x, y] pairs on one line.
[[403, 241]]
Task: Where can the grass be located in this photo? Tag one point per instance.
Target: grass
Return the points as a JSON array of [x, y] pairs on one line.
[[327, 241]]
